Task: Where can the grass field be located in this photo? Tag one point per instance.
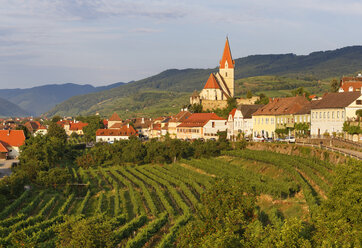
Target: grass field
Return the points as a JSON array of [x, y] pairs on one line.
[[149, 203]]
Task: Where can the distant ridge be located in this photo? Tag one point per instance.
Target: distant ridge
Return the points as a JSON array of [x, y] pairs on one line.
[[38, 100], [315, 66], [9, 109]]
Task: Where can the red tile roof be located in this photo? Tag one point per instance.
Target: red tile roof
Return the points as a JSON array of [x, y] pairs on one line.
[[226, 56], [199, 119], [116, 125], [14, 138], [356, 86], [212, 83], [115, 117], [336, 100], [124, 131], [77, 126], [232, 112], [181, 116], [3, 148]]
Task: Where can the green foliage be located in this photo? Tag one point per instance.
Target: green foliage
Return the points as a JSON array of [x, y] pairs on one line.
[[55, 177], [359, 112], [351, 129], [195, 108], [90, 232], [263, 99], [300, 92], [56, 131], [249, 94], [338, 223], [94, 123], [334, 85]]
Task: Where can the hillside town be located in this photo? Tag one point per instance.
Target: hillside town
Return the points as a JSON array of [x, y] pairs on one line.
[[281, 119]]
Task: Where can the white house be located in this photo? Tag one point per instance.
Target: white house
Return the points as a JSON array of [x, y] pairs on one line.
[[329, 114], [240, 120], [201, 126], [111, 135]]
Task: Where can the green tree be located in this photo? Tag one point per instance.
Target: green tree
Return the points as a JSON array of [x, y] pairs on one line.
[[301, 92], [57, 131], [263, 99], [93, 232], [195, 108], [334, 85], [94, 123], [56, 118], [249, 94]]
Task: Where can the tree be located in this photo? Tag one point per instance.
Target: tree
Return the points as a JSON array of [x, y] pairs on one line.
[[301, 92], [90, 232], [249, 94], [25, 130], [334, 85], [56, 118], [263, 99], [94, 123], [195, 108], [57, 131]]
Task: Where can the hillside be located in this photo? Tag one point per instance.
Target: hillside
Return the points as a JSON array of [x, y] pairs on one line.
[[8, 109], [38, 100], [292, 71]]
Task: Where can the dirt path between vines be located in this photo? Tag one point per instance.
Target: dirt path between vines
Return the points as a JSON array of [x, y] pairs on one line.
[[313, 184], [189, 167]]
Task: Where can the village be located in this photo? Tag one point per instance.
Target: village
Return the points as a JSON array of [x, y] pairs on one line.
[[335, 114]]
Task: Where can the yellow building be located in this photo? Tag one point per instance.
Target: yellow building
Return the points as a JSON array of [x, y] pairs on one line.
[[278, 114]]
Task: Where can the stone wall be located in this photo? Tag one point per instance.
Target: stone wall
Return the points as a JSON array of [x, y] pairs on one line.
[[210, 104], [247, 101]]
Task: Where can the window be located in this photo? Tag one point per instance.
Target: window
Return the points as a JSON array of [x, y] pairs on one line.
[[328, 114], [278, 120], [313, 115], [308, 118], [320, 115], [266, 120], [258, 120], [359, 102], [342, 115], [226, 74], [337, 114], [324, 115], [272, 120], [332, 114], [262, 121], [213, 124], [295, 119], [305, 119]]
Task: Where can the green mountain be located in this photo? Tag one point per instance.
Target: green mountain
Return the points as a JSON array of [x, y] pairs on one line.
[[38, 100], [273, 74], [9, 109]]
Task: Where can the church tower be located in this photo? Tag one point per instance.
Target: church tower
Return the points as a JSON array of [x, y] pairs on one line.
[[226, 68]]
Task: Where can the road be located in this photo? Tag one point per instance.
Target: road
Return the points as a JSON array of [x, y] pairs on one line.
[[5, 168], [352, 153]]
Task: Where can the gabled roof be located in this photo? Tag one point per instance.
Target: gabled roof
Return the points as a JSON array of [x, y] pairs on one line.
[[226, 56], [212, 83], [124, 131], [115, 117], [181, 116], [77, 126], [283, 106], [199, 119], [3, 148], [232, 112], [14, 138], [248, 110], [337, 100]]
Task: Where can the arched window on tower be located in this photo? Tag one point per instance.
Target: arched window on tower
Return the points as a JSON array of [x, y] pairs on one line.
[[226, 65], [226, 74]]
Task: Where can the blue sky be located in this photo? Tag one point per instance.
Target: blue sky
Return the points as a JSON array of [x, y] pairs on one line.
[[100, 42]]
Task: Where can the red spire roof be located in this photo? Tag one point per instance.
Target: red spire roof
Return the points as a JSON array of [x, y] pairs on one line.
[[115, 117], [226, 56], [211, 83]]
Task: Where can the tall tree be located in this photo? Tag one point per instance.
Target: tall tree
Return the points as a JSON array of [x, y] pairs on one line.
[[334, 85]]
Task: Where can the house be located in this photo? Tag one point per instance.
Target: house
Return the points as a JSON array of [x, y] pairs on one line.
[[201, 126], [111, 135], [114, 122], [35, 128], [76, 127], [240, 121], [220, 85], [11, 140], [277, 114], [143, 125], [175, 121], [349, 84], [329, 114]]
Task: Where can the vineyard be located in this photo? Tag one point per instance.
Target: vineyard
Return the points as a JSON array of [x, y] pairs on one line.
[[148, 204]]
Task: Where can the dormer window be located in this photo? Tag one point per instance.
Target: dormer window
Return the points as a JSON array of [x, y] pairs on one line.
[[350, 89]]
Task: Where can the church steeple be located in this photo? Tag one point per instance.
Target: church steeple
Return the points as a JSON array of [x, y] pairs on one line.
[[227, 61]]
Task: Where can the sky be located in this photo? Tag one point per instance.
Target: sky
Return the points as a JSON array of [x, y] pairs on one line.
[[101, 42]]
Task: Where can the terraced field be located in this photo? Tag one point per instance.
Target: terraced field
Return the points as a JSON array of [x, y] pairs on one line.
[[149, 203]]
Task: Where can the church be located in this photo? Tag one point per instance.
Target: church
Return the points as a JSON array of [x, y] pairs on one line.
[[220, 85]]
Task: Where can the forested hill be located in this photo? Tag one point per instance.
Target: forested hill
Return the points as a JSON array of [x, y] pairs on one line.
[[8, 109], [315, 66], [38, 100]]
